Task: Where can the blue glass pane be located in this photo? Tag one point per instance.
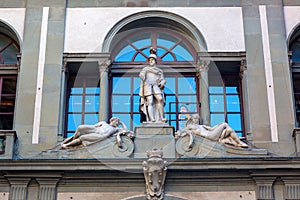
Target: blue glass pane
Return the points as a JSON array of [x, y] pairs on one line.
[[231, 90], [10, 55], [182, 54], [90, 119], [189, 100], [75, 104], [215, 90], [186, 85], [166, 40], [234, 121], [160, 52], [140, 58], [296, 55], [187, 108], [216, 103], [184, 115], [91, 103], [216, 118], [136, 85], [136, 103], [75, 90], [74, 120], [170, 86], [121, 85], [146, 51], [239, 133], [125, 54], [142, 43], [120, 103], [125, 118], [92, 90], [136, 120], [168, 57], [170, 103], [233, 103], [165, 43], [172, 118], [70, 134]]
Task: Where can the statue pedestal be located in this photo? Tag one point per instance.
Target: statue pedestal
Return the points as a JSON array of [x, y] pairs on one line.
[[154, 135]]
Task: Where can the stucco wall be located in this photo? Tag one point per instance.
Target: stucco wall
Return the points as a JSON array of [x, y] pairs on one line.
[[86, 28], [14, 17], [292, 18]]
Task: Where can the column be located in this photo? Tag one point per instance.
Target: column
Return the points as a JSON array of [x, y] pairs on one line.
[[247, 119], [265, 190], [18, 188], [296, 136], [202, 73], [104, 68], [62, 101], [47, 188]]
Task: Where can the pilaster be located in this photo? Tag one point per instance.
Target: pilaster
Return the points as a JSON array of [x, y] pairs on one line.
[[47, 188], [18, 188], [264, 189], [292, 188]]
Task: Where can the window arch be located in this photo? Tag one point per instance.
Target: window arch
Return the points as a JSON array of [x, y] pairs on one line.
[[295, 50], [176, 56], [9, 49], [170, 46]]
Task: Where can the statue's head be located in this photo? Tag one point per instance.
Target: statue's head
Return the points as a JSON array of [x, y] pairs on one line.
[[114, 121], [194, 119], [152, 55]]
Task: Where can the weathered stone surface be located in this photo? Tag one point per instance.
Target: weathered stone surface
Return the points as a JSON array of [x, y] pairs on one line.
[[104, 149], [206, 148]]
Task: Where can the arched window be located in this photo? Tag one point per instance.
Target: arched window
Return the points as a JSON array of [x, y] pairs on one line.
[[9, 49], [295, 49], [176, 56]]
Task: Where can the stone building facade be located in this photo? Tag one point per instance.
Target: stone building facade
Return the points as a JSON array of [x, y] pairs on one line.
[[72, 62]]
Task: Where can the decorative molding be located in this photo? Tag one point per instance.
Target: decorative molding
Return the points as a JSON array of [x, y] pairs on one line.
[[265, 189], [243, 67], [18, 188], [292, 187], [202, 66], [104, 65], [47, 188], [155, 171]]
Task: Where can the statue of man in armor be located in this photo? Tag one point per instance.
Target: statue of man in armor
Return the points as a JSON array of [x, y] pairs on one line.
[[151, 90]]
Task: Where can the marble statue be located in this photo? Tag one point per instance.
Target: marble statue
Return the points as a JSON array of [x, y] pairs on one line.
[[155, 171], [89, 134], [221, 133], [152, 90]]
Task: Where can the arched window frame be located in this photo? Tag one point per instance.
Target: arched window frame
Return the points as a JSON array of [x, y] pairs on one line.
[[172, 69], [294, 48], [8, 79]]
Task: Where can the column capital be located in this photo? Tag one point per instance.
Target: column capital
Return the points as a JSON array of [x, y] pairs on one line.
[[64, 68], [243, 67], [104, 64], [202, 66]]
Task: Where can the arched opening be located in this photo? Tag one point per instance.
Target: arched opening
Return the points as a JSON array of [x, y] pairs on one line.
[[9, 50], [176, 48], [294, 48]]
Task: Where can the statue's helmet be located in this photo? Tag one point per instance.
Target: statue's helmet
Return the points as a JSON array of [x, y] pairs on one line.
[[152, 56], [152, 53]]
